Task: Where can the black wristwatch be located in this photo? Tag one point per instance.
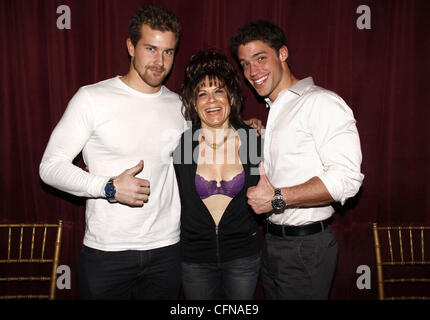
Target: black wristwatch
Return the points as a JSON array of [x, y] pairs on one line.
[[110, 191], [278, 202]]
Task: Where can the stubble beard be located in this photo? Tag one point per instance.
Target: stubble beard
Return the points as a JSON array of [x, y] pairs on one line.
[[146, 76]]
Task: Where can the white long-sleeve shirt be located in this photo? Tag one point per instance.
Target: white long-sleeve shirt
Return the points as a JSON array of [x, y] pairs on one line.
[[311, 132], [115, 127]]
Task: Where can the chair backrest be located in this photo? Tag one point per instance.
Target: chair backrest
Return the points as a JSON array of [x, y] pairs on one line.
[[401, 262], [29, 257]]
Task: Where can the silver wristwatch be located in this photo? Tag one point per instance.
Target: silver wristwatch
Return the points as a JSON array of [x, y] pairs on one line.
[[278, 202]]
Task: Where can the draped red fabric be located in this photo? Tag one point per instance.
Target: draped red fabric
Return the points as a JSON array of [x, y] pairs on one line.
[[380, 72]]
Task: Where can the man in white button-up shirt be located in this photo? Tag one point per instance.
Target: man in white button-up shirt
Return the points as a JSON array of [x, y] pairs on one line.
[[312, 158]]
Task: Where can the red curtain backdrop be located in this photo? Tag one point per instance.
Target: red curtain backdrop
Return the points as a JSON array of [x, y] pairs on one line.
[[380, 72]]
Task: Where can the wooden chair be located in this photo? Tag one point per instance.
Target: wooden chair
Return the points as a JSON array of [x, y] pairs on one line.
[[30, 259], [401, 262]]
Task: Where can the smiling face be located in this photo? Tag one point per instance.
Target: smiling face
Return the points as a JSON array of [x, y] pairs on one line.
[[212, 104], [264, 67], [152, 57]]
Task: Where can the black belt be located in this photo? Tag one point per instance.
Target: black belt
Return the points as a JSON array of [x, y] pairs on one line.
[[284, 230]]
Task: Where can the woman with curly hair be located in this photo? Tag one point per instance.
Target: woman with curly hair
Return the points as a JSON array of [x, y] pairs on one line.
[[216, 162]]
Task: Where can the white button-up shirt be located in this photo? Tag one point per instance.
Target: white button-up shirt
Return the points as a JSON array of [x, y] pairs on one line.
[[311, 132]]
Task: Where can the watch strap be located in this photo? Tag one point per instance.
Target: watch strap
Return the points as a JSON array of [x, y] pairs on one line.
[[111, 198], [278, 202]]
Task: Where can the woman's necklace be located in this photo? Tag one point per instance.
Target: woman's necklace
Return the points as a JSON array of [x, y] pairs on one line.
[[220, 137]]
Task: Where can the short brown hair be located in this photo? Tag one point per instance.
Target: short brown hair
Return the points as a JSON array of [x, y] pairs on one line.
[[156, 17], [215, 66], [262, 30]]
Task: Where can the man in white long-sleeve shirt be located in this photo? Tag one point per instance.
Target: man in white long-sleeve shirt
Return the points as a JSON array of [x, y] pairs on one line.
[[312, 157], [131, 239]]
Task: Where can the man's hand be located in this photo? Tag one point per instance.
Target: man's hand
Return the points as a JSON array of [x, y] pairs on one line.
[[256, 124], [260, 197], [130, 190]]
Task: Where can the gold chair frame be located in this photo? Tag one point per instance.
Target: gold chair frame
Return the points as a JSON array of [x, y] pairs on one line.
[[401, 231], [32, 259]]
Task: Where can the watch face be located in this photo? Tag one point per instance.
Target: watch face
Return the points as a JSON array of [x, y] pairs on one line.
[[109, 190], [278, 203]]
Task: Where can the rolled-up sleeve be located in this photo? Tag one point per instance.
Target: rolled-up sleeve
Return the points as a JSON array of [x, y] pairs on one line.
[[337, 142]]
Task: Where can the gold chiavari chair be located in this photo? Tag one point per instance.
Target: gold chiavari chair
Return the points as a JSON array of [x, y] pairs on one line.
[[29, 257], [402, 248]]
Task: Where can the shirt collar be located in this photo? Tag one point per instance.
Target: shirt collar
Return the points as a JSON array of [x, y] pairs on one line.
[[298, 88]]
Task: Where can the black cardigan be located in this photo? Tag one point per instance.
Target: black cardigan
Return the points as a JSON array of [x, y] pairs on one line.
[[237, 234]]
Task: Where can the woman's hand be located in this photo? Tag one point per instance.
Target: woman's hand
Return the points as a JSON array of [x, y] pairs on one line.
[[256, 124]]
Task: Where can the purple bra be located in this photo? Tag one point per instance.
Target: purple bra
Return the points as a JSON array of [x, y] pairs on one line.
[[230, 188]]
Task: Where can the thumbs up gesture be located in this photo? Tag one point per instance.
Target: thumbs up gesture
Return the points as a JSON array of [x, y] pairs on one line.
[[130, 190], [260, 196]]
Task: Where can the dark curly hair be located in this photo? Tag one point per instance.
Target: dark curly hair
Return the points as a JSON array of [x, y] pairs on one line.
[[158, 18], [261, 30], [217, 68]]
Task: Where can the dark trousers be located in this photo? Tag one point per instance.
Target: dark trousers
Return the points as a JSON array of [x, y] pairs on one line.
[[231, 280], [132, 274], [299, 268]]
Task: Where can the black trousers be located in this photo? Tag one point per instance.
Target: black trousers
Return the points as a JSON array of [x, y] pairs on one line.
[[299, 268], [132, 274]]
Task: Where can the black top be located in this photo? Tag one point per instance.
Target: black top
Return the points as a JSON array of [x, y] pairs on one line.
[[237, 234]]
